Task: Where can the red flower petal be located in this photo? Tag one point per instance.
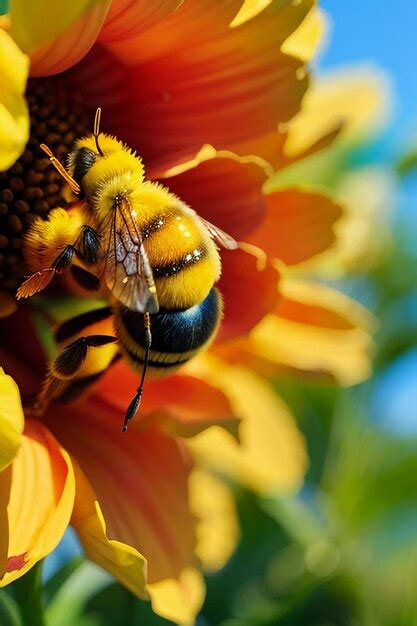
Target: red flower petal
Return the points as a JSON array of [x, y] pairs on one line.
[[298, 225], [224, 190], [193, 80], [180, 405], [248, 292], [140, 479], [128, 19], [21, 353]]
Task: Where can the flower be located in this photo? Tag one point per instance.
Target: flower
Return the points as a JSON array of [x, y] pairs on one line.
[[143, 496], [362, 234], [204, 91]]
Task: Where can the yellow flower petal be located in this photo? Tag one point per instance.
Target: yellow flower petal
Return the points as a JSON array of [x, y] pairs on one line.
[[11, 419], [180, 599], [121, 560], [248, 10], [213, 504], [363, 234], [34, 22], [271, 455], [5, 22], [304, 42], [357, 98], [14, 117], [56, 35], [317, 330], [342, 312], [38, 490]]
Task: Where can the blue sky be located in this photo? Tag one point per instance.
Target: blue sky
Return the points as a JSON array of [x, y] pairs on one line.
[[384, 33]]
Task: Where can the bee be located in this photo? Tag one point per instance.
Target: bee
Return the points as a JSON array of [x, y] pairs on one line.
[[157, 258]]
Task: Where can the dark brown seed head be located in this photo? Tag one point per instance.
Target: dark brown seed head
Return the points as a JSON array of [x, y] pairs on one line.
[[31, 186]]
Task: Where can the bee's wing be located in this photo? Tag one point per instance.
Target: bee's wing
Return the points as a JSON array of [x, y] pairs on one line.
[[127, 272], [219, 236]]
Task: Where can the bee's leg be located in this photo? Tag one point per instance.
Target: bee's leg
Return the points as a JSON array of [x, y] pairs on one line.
[[40, 280], [71, 359], [89, 347], [68, 373], [135, 403], [86, 248], [85, 279], [88, 245]]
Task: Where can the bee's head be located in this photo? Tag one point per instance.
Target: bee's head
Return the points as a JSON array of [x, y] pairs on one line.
[[91, 160], [80, 160], [87, 153]]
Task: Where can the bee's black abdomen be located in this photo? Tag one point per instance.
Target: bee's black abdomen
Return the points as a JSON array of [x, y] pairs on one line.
[[176, 334], [173, 330]]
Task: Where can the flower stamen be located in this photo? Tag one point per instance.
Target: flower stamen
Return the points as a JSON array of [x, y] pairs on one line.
[[31, 187]]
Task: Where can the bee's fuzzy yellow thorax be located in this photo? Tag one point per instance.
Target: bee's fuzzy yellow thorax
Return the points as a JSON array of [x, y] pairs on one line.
[[155, 195]]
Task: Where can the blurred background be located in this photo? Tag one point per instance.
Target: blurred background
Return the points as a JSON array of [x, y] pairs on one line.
[[343, 551]]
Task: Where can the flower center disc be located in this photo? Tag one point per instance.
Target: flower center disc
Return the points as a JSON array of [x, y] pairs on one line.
[[32, 187]]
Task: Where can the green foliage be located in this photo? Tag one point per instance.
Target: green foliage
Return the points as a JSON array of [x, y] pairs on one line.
[[28, 593], [408, 163], [73, 590], [115, 605], [9, 610]]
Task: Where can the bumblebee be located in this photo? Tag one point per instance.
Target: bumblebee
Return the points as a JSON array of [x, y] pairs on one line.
[[157, 258]]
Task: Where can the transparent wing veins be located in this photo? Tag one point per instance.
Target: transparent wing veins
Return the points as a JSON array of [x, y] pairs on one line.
[[128, 273]]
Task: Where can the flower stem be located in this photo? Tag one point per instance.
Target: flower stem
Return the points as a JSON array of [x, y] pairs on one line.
[[28, 594]]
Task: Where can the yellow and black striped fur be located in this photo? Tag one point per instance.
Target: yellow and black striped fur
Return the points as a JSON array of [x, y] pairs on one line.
[[184, 259], [152, 255]]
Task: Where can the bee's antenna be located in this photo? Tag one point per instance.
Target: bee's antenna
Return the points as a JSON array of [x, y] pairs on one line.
[[96, 130], [135, 403], [75, 188]]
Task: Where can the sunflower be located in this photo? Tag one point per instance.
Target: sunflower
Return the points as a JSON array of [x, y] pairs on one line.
[[204, 91]]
